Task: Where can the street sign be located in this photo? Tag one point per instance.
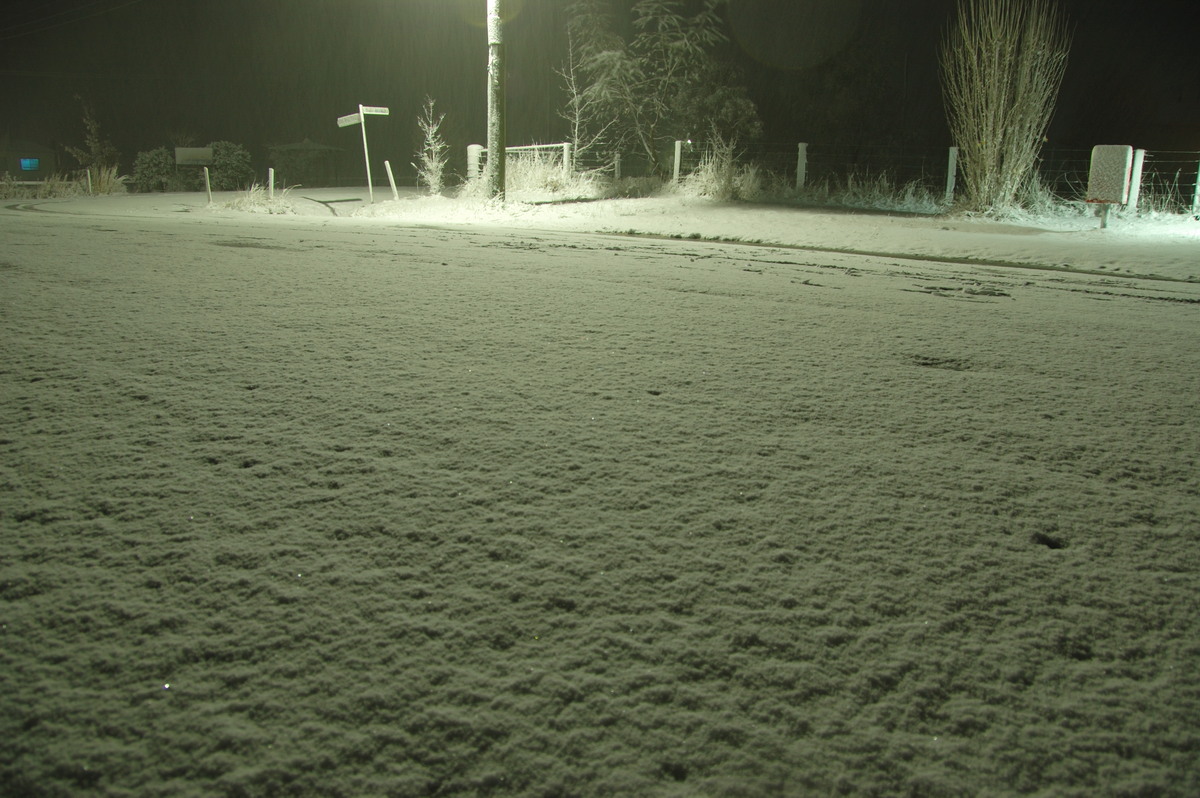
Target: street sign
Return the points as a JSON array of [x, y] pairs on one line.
[[360, 118], [193, 156]]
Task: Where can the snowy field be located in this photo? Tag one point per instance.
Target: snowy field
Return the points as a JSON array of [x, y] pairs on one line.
[[440, 499]]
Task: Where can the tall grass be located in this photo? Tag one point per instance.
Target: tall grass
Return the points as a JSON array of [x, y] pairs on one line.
[[256, 200], [1164, 194], [865, 191], [539, 174], [105, 180]]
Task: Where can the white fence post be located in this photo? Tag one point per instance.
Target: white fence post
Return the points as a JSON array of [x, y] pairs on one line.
[[617, 166], [1135, 180], [678, 158], [391, 180], [568, 167], [271, 183], [207, 185], [1196, 193], [801, 165], [951, 174], [474, 156]]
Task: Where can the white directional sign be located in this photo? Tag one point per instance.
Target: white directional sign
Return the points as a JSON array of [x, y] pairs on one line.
[[360, 118]]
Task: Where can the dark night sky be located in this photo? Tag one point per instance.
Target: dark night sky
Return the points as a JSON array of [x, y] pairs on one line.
[[262, 72]]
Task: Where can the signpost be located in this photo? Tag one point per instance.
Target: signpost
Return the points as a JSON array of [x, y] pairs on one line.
[[359, 118], [1108, 177]]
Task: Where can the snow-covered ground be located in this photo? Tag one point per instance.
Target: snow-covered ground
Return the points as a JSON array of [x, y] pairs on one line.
[[455, 499], [1162, 246]]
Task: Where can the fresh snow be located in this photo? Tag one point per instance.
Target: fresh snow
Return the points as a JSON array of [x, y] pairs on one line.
[[636, 497]]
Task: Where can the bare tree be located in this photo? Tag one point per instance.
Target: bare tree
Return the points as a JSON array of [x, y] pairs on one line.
[[587, 124], [1002, 63]]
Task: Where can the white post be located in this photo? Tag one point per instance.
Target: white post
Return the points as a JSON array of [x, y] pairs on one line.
[[801, 165], [366, 155], [568, 167], [474, 156], [951, 174], [271, 183], [678, 157], [1196, 194], [1135, 180], [391, 180], [207, 185], [617, 166]]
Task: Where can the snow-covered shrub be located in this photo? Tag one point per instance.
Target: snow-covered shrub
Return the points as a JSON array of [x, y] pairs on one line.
[[230, 169], [153, 170]]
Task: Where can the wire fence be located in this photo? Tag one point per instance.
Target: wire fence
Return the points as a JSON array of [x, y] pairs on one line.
[[1169, 178]]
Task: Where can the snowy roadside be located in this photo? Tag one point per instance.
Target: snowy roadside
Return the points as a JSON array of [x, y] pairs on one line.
[[1159, 247]]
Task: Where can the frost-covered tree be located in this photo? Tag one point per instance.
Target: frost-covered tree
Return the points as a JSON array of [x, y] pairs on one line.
[[431, 160], [1002, 62], [664, 83], [97, 151]]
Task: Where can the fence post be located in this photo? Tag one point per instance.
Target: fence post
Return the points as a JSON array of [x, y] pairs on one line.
[[801, 165], [207, 185], [474, 156], [391, 180], [1196, 194], [568, 167], [271, 183], [617, 166], [1135, 180], [951, 174], [678, 157]]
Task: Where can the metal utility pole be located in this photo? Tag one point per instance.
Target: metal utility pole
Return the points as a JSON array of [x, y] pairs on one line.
[[494, 172]]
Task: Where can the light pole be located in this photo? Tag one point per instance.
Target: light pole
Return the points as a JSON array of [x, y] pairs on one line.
[[494, 172]]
